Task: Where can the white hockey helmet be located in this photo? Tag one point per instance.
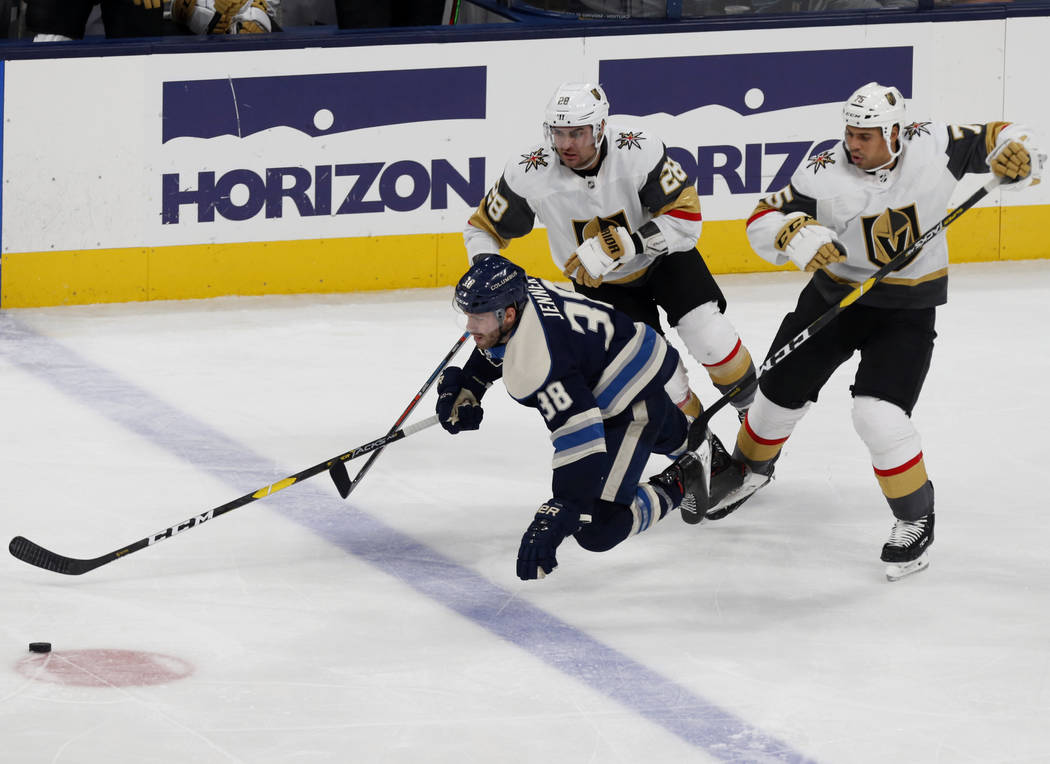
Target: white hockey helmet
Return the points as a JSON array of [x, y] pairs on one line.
[[875, 105], [575, 104]]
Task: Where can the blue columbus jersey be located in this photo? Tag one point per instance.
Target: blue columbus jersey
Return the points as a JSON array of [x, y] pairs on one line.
[[579, 362]]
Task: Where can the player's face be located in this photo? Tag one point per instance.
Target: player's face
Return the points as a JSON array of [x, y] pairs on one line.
[[575, 145], [866, 146], [484, 328]]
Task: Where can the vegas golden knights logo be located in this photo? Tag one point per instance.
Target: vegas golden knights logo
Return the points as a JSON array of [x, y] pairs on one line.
[[888, 234], [585, 229]]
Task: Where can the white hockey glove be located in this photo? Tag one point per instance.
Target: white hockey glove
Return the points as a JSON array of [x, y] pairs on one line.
[[1016, 159], [599, 255], [807, 243]]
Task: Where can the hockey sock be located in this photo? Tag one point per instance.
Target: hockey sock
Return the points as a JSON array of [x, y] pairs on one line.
[[764, 431], [713, 341], [896, 455]]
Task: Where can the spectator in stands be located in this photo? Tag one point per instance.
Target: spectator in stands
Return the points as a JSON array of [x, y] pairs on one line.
[[803, 6], [56, 20], [307, 13], [358, 14]]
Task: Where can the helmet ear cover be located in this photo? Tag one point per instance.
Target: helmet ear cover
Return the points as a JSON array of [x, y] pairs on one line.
[[577, 104]]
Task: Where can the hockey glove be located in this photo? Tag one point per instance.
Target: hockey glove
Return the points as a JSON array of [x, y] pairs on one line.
[[650, 240], [808, 244], [1016, 159], [149, 4], [222, 16], [459, 400], [599, 255], [553, 522]]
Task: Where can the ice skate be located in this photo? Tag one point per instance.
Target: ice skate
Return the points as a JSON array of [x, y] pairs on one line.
[[708, 457], [732, 486], [907, 550], [685, 475]]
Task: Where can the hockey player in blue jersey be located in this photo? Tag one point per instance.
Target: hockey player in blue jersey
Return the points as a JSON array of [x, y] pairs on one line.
[[598, 379]]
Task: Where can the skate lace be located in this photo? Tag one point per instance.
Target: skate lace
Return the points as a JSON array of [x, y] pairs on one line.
[[906, 532]]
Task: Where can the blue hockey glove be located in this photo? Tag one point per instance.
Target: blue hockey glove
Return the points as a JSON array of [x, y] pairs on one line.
[[459, 400], [553, 522]]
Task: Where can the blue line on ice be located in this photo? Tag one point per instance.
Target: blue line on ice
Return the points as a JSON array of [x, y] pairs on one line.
[[576, 654]]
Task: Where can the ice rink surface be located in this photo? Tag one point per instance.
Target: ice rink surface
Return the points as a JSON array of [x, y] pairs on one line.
[[391, 627]]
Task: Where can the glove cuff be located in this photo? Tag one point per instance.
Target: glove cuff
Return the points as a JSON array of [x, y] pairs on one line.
[[454, 377], [561, 515], [475, 385], [650, 240], [793, 223]]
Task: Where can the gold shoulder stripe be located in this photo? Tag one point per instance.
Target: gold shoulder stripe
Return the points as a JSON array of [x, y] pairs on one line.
[[687, 201], [480, 219], [762, 206]]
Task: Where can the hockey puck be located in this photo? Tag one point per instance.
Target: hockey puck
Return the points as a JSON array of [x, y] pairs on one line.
[[39, 647]]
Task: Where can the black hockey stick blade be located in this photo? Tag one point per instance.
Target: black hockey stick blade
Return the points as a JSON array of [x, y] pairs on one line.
[[341, 478], [338, 471], [34, 554]]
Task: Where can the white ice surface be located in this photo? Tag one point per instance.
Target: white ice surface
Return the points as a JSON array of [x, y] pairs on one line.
[[391, 627]]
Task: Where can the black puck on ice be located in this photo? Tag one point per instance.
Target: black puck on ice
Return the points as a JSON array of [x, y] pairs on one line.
[[39, 647]]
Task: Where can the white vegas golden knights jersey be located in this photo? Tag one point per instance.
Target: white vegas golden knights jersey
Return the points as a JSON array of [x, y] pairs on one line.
[[877, 215], [635, 182]]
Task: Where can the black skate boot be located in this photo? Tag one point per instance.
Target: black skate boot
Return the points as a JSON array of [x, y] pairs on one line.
[[732, 486], [710, 455], [685, 477], [907, 550]]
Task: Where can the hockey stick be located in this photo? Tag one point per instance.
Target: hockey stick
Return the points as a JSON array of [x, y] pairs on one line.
[[698, 430], [34, 554], [341, 477]]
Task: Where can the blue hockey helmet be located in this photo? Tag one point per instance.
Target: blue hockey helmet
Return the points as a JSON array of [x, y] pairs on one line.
[[491, 284]]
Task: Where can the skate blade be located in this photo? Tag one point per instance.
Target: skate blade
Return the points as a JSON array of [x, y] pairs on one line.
[[731, 503], [895, 571], [719, 514]]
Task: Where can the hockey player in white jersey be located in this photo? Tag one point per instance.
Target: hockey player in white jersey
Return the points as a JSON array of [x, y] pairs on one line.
[[598, 379], [622, 219], [845, 214]]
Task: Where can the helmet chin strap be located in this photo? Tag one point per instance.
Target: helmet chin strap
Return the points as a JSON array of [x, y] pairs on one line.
[[501, 313], [882, 172], [599, 136], [495, 353], [597, 155]]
